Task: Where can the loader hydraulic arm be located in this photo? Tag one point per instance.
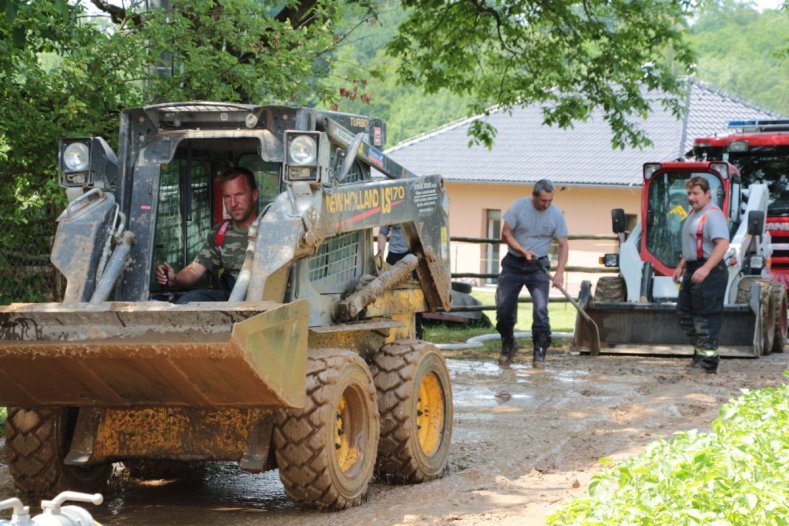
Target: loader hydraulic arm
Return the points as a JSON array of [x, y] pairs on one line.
[[310, 211]]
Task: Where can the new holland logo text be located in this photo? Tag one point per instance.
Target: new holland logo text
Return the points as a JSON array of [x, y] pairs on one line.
[[374, 200]]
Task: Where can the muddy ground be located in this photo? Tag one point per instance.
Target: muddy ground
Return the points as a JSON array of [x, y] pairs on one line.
[[523, 443]]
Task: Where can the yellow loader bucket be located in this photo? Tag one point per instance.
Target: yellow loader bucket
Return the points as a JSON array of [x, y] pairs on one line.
[[246, 354]]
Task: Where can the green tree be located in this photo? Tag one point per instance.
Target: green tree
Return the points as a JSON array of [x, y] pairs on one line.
[[571, 57], [58, 76], [744, 52], [66, 71], [366, 77]]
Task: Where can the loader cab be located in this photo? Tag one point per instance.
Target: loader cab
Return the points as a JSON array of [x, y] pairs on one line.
[[665, 207], [190, 206]]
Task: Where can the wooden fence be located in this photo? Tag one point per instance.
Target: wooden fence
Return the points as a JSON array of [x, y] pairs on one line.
[[483, 241]]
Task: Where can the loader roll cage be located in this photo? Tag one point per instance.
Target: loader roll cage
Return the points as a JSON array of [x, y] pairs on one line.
[[182, 163], [665, 207]]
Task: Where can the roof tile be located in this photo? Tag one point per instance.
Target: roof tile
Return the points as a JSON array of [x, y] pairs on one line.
[[525, 150]]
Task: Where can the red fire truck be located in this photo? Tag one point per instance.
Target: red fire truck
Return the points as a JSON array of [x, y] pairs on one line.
[[760, 149]]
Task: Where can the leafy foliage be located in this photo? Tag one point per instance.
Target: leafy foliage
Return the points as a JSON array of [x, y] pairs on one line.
[[571, 57], [68, 73], [744, 52], [63, 77], [735, 475], [362, 63]]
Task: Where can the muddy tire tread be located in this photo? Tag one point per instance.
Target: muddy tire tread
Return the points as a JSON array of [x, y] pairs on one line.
[[395, 368], [610, 288], [767, 305], [299, 441], [780, 309], [34, 456]]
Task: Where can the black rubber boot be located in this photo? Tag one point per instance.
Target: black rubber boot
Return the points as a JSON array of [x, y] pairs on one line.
[[538, 358], [696, 362], [708, 356], [709, 364], [507, 350], [541, 344]]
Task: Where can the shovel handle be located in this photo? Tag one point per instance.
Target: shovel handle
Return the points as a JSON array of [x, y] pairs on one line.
[[595, 345], [567, 295]]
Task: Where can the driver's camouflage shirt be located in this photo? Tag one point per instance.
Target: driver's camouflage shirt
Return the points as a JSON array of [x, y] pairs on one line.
[[229, 257]]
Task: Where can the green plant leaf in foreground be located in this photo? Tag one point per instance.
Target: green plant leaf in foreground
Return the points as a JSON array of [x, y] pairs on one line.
[[736, 475]]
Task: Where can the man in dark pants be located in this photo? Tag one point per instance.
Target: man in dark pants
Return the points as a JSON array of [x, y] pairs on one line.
[[703, 275], [528, 228], [224, 251]]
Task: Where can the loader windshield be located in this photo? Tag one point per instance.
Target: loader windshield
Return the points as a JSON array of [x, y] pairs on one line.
[[668, 207]]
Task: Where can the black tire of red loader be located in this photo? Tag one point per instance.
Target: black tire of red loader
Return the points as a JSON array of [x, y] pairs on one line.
[[610, 288], [326, 451], [780, 302], [769, 309], [37, 441], [415, 404]]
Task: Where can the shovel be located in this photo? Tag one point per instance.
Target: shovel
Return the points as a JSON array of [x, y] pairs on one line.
[[595, 345]]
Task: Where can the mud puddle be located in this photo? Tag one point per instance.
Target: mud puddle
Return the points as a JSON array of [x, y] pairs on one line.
[[523, 442]]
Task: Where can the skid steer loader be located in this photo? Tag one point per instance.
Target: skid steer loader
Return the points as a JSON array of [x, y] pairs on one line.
[[310, 367], [635, 311]]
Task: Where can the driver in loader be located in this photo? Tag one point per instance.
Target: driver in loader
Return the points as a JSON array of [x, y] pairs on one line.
[[703, 275], [223, 252]]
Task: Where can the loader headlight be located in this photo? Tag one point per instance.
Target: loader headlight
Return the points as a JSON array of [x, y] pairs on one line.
[[302, 150], [303, 155], [76, 157], [756, 263], [86, 162], [610, 260]]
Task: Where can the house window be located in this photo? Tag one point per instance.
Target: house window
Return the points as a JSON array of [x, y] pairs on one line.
[[491, 259]]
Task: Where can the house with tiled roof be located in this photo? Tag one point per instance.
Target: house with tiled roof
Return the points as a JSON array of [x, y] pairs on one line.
[[591, 176]]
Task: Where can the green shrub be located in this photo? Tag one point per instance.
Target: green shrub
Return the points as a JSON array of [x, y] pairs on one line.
[[735, 475], [3, 415]]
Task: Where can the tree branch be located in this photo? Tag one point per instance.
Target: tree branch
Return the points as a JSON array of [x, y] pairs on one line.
[[118, 14]]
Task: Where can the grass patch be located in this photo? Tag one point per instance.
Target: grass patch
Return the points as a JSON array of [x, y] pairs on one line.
[[735, 475], [3, 415], [562, 316]]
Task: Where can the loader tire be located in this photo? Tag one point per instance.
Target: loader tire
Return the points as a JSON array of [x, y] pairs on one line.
[[610, 288], [37, 441], [767, 306], [780, 307], [326, 451], [415, 403]]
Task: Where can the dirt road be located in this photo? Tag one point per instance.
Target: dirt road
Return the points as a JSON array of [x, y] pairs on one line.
[[524, 442]]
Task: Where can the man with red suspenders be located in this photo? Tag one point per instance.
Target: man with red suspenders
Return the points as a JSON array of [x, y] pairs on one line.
[[703, 275], [224, 251]]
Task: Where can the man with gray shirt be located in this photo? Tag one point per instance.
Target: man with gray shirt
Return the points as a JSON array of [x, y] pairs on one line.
[[703, 274], [529, 227]]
